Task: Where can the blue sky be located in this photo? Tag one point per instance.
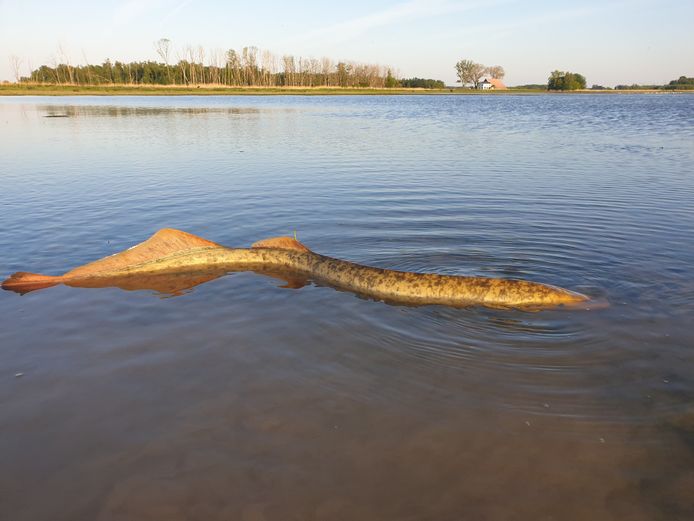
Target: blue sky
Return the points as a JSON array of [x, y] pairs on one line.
[[609, 41]]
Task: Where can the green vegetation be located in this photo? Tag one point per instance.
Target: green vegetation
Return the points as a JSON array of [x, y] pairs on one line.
[[20, 89], [28, 89], [422, 83], [681, 83], [560, 80], [638, 87], [391, 82], [530, 86]]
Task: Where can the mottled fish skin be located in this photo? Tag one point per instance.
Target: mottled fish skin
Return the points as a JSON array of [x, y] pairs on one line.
[[377, 283]]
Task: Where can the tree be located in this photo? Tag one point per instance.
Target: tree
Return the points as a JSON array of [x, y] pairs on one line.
[[496, 72], [469, 71], [250, 66], [15, 64], [682, 83], [233, 67], [422, 83], [391, 82], [343, 71], [560, 80], [163, 47]]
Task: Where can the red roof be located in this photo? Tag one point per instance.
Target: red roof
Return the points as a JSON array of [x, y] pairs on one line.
[[497, 84]]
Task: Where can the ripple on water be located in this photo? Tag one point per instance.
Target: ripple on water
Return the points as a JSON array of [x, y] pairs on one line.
[[591, 193]]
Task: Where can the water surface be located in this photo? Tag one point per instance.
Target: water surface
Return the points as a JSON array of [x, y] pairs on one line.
[[243, 400]]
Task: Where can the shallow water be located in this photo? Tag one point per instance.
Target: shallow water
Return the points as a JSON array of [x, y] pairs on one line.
[[244, 400]]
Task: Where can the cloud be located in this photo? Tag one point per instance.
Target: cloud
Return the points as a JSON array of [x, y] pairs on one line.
[[171, 14], [132, 9], [411, 10], [500, 30]]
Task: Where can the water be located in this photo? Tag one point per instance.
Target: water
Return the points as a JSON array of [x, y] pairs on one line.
[[244, 400]]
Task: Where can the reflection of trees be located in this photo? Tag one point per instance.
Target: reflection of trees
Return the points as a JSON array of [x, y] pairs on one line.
[[54, 111]]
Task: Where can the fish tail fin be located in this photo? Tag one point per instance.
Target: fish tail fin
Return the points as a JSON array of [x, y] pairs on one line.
[[23, 282]]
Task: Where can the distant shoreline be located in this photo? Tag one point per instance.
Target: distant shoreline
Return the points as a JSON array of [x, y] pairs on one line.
[[217, 90]]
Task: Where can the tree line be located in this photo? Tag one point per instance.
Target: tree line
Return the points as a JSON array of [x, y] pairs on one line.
[[560, 80], [681, 83], [247, 67]]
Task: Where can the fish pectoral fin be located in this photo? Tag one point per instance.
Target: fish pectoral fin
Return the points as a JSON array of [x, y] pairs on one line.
[[23, 282], [281, 243], [163, 243]]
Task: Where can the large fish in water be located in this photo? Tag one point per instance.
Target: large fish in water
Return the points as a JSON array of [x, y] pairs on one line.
[[172, 260]]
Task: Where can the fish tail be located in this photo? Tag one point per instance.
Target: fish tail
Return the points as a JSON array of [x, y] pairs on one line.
[[23, 282]]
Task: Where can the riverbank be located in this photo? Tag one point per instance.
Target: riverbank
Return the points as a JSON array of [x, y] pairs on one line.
[[207, 90], [217, 90]]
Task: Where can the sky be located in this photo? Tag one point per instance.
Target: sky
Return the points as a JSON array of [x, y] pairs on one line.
[[608, 41]]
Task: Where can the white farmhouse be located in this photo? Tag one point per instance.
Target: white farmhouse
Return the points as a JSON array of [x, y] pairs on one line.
[[491, 84]]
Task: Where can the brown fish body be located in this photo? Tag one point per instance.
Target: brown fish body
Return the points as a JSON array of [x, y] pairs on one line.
[[171, 251]]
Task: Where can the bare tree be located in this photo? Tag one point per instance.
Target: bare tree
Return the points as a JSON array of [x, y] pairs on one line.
[[163, 48], [249, 56], [217, 61], [326, 67], [88, 68], [469, 71], [201, 58], [496, 72], [233, 66], [63, 56], [268, 67], [55, 69], [15, 65], [289, 70], [192, 76], [181, 56]]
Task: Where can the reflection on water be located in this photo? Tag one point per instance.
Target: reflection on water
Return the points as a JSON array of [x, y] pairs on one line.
[[239, 401], [115, 111], [165, 284]]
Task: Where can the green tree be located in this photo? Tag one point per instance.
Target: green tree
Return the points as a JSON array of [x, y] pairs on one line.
[[560, 80], [422, 83], [391, 82]]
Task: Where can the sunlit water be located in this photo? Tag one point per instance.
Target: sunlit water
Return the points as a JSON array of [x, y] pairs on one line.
[[243, 400]]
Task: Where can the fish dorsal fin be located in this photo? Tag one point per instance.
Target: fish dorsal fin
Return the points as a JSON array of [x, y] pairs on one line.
[[162, 244], [281, 243]]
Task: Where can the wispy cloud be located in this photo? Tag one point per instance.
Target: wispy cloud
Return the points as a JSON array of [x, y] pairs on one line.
[[411, 10], [500, 30], [132, 9], [177, 9]]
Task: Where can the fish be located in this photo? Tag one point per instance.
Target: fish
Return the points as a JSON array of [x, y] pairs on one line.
[[173, 261]]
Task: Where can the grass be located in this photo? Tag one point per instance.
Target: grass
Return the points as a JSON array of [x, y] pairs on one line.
[[14, 89]]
